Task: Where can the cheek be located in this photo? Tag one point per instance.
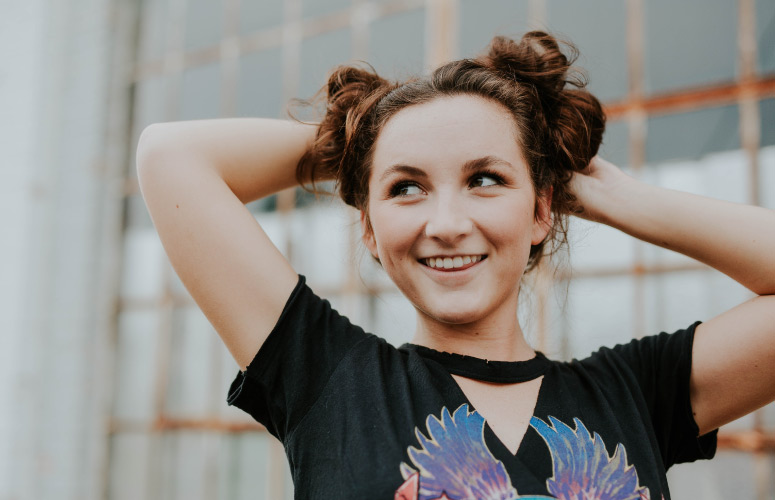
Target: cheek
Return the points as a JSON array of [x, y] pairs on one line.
[[395, 232], [509, 227]]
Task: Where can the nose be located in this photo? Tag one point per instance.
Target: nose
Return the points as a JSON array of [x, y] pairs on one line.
[[448, 220]]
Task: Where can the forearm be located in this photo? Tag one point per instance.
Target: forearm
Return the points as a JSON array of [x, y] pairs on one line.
[[738, 240], [255, 157]]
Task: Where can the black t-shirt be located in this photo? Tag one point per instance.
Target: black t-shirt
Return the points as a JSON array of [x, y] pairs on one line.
[[360, 418]]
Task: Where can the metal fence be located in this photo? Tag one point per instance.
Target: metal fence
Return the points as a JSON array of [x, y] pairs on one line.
[[689, 90]]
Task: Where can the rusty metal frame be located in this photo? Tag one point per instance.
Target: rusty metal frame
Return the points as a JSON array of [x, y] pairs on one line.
[[757, 88], [275, 36], [441, 45], [754, 440]]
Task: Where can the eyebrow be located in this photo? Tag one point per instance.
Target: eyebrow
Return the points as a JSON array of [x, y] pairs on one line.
[[469, 166], [478, 163], [403, 169]]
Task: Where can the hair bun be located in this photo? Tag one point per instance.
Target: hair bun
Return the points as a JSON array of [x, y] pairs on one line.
[[573, 116], [578, 128], [536, 59], [350, 94], [347, 83]]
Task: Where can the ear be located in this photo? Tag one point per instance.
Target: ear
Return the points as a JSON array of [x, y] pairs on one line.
[[543, 215], [367, 235]]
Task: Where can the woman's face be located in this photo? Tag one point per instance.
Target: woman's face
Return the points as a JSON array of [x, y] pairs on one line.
[[452, 208]]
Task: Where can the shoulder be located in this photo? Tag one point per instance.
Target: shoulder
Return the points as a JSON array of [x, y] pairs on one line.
[[639, 366], [640, 353]]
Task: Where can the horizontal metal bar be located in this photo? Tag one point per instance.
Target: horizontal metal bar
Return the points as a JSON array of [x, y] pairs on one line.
[[165, 424], [748, 440], [271, 37], [694, 98], [185, 300], [633, 270]]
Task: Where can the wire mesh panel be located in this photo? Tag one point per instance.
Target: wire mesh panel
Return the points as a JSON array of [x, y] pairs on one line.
[[605, 60], [676, 119], [684, 50]]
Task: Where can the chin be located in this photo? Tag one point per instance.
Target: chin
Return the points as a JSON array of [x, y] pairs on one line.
[[454, 315]]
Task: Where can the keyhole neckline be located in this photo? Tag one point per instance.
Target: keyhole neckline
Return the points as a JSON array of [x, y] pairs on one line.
[[505, 372]]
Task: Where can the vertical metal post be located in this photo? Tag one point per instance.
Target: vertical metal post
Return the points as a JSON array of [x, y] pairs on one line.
[[637, 120], [276, 472], [230, 54], [229, 71], [286, 200], [174, 61], [361, 16], [363, 12], [291, 48], [441, 32], [536, 13], [118, 140], [542, 286], [173, 68], [291, 57], [750, 133], [750, 140], [542, 278]]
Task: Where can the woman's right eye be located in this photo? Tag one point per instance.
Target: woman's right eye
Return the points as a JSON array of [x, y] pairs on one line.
[[405, 189]]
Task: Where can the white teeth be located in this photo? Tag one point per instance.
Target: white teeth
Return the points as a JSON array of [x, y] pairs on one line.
[[452, 262]]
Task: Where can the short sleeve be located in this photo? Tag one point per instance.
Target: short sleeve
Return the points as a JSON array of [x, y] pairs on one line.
[[662, 366], [293, 366]]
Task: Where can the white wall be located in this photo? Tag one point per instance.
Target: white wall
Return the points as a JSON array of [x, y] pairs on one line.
[[57, 214]]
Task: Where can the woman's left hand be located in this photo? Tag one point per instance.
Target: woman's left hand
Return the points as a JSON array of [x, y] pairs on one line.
[[596, 187]]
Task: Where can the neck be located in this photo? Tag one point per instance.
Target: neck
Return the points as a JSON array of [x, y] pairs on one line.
[[487, 339]]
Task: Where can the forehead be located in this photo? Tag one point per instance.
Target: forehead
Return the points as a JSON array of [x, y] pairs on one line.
[[448, 131]]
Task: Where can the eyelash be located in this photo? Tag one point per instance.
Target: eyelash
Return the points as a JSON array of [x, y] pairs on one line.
[[398, 186], [395, 190], [499, 180]]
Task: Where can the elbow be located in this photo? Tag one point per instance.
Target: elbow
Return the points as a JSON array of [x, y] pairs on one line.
[[152, 145], [764, 289], [764, 292], [160, 146], [763, 284]]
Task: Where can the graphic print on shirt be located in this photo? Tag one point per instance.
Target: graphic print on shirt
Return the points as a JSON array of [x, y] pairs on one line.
[[454, 463]]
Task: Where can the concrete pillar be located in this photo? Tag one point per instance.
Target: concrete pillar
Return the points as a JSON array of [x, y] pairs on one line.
[[60, 195]]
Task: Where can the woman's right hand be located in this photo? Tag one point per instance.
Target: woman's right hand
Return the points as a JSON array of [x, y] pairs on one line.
[[195, 178]]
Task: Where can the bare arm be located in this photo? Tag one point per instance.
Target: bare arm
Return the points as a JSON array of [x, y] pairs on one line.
[[195, 178], [733, 359]]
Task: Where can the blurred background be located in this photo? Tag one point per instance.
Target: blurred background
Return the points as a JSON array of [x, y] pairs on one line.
[[113, 383]]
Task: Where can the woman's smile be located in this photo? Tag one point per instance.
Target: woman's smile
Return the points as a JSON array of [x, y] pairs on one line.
[[452, 263]]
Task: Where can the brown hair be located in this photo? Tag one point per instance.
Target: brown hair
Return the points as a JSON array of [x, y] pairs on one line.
[[560, 125]]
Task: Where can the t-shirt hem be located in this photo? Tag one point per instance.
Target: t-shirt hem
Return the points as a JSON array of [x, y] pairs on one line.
[[707, 443]]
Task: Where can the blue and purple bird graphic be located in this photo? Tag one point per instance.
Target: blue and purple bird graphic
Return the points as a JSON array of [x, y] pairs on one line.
[[454, 463], [582, 469]]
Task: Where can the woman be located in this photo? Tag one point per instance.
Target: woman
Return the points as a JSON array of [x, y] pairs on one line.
[[462, 179]]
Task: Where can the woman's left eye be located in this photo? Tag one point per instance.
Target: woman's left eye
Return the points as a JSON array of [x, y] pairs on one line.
[[484, 180]]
